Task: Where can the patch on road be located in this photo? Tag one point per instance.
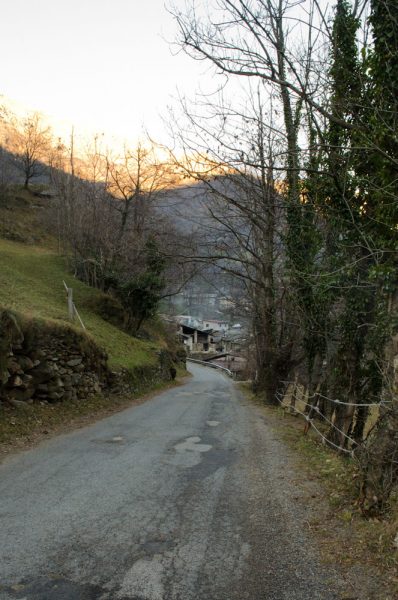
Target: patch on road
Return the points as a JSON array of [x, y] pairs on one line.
[[52, 589], [144, 580], [117, 439], [191, 444]]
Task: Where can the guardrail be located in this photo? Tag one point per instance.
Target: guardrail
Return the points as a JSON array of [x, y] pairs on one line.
[[212, 366]]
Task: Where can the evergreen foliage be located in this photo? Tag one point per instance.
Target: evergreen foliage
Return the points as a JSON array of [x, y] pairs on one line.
[[141, 294]]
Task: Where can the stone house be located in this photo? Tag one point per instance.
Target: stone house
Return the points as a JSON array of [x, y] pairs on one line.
[[196, 339]]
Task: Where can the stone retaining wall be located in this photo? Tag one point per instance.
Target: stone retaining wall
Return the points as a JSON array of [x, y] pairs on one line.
[[45, 361]]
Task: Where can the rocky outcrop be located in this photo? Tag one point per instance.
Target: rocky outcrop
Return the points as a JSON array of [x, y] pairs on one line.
[[46, 361]]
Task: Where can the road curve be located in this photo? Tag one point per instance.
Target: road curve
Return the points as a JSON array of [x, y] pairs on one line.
[[185, 497]]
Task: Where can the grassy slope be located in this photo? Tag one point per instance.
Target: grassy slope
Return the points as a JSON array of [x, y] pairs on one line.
[[31, 282]]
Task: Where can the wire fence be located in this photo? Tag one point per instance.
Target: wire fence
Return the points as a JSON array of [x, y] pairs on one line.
[[311, 423], [296, 399]]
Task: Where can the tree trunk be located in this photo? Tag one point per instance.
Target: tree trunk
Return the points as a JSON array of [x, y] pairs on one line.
[[267, 381], [379, 462], [362, 414], [342, 422]]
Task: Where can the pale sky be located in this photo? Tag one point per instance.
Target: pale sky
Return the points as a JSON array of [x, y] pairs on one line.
[[101, 65]]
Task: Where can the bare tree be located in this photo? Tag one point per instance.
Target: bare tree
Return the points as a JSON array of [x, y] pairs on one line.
[[31, 144], [235, 153], [255, 41], [106, 217], [5, 158], [135, 178]]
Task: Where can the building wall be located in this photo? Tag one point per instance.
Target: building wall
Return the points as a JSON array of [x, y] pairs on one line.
[[209, 324]]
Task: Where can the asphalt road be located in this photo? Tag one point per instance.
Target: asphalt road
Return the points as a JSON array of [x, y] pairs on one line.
[[186, 497]]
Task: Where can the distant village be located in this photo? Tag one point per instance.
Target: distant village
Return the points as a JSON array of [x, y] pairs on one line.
[[213, 340]]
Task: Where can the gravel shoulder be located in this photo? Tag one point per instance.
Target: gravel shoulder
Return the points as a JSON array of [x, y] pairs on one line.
[[352, 549]]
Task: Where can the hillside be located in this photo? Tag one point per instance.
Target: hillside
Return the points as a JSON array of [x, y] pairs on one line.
[[58, 376], [21, 215], [31, 281]]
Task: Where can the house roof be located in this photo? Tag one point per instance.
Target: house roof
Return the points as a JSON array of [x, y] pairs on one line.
[[192, 329]]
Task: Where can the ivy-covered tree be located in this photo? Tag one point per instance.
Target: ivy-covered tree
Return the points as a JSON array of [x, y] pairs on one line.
[[141, 294], [380, 170], [341, 288]]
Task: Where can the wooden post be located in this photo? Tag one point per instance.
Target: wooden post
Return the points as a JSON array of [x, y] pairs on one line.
[[71, 305], [293, 389], [72, 310], [69, 296]]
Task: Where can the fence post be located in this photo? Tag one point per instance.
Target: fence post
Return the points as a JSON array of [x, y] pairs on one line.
[[69, 296], [72, 310]]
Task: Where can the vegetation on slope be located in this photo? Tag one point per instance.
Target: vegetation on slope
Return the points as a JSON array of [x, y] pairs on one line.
[[31, 281], [21, 215]]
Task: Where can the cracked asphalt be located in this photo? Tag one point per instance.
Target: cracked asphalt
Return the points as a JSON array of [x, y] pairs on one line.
[[189, 496]]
